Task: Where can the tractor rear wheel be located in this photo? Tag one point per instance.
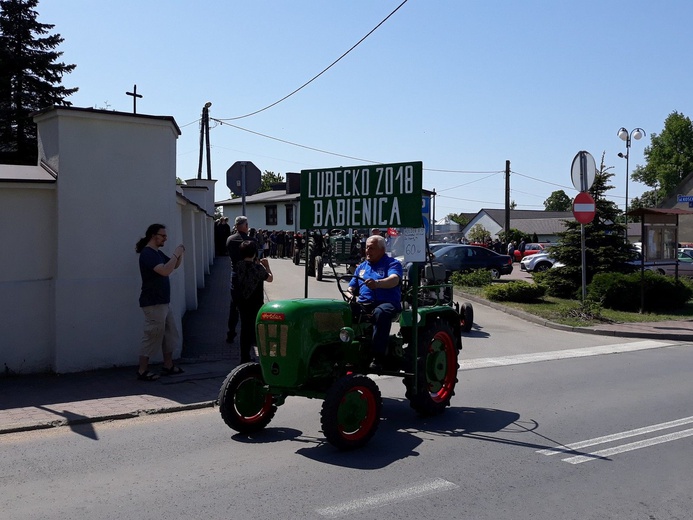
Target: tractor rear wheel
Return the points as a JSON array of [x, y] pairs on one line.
[[467, 317], [310, 261], [351, 411], [244, 402], [436, 370]]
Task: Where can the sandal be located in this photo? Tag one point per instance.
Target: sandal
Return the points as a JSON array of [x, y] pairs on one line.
[[175, 369], [147, 376]]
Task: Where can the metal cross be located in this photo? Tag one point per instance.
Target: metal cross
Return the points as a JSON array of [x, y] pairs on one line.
[[134, 95]]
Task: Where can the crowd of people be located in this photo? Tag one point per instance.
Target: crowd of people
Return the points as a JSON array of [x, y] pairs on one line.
[[270, 244]]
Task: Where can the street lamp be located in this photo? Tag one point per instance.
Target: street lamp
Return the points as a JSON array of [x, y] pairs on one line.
[[625, 135]]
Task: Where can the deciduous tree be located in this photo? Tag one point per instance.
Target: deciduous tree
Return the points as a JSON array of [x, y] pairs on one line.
[[479, 234], [669, 156], [558, 201]]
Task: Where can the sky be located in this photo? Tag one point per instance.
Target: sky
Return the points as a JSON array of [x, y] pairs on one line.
[[461, 85]]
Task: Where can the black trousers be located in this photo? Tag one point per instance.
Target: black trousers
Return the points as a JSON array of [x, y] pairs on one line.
[[233, 318], [248, 314]]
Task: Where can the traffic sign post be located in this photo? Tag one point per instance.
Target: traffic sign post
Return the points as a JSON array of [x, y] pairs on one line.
[[584, 210], [243, 178], [583, 171]]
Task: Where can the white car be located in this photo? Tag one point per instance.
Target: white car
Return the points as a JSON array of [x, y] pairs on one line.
[[537, 262]]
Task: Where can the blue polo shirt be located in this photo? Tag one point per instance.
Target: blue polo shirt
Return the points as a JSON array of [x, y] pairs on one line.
[[381, 269]]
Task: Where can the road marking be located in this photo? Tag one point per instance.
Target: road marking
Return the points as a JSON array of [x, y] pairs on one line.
[[473, 364], [630, 447], [416, 491], [578, 459], [616, 436]]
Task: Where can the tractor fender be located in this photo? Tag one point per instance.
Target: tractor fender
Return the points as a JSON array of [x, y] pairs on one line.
[[428, 316]]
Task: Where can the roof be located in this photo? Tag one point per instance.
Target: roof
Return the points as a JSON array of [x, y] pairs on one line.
[[540, 226], [45, 110], [520, 214], [18, 173], [265, 196], [640, 212]]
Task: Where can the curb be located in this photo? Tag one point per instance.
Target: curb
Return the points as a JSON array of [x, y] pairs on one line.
[[103, 418], [568, 328]]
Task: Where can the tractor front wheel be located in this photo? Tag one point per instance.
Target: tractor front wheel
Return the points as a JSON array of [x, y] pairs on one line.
[[351, 411], [244, 402], [466, 317], [430, 392], [319, 265]]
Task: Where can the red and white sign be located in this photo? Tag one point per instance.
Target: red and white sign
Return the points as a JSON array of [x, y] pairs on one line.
[[584, 208]]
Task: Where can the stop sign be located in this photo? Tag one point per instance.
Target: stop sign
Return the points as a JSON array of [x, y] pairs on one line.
[[584, 208], [235, 178]]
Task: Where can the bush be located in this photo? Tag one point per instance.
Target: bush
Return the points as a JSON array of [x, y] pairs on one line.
[[624, 291], [476, 278], [518, 291], [560, 282]]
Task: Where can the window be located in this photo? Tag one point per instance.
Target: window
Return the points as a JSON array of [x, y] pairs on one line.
[[271, 215], [289, 214]]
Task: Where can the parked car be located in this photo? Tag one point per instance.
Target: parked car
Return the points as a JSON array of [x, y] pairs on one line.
[[435, 246], [531, 248], [463, 258], [537, 262], [686, 250], [668, 267]]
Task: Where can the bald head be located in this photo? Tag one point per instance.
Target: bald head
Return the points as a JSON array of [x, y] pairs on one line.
[[375, 248]]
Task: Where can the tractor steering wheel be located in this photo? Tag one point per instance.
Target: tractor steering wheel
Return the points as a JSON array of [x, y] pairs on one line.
[[347, 278]]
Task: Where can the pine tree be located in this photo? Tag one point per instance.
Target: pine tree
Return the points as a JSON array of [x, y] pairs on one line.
[[606, 249], [30, 77]]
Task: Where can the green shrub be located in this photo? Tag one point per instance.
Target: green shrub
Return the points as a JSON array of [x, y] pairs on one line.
[[625, 291], [518, 291], [561, 282], [475, 278]]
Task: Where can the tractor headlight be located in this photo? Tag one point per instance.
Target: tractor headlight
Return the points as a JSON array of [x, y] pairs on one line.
[[346, 335]]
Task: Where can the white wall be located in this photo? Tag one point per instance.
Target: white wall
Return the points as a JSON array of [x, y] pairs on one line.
[[70, 289], [27, 268], [255, 211], [487, 222]]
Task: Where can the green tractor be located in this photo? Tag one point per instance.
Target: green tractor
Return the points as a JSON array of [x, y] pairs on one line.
[[315, 348], [334, 248]]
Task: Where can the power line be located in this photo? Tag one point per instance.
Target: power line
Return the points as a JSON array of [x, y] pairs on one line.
[[540, 180], [322, 72], [223, 122], [464, 171], [468, 183]]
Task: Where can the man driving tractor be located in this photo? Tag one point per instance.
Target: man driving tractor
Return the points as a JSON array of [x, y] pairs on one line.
[[376, 292]]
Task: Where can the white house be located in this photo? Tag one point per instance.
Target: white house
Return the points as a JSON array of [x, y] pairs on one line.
[[546, 224], [69, 275], [274, 210]]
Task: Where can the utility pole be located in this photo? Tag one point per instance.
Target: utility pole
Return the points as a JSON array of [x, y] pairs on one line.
[[507, 198], [204, 136], [433, 220]]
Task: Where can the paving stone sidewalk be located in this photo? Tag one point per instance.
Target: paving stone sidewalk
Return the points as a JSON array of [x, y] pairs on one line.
[[43, 401]]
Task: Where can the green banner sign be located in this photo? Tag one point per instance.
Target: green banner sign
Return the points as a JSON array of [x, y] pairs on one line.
[[384, 195]]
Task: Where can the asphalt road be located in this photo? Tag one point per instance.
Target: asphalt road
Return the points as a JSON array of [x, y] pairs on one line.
[[545, 424], [520, 441]]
